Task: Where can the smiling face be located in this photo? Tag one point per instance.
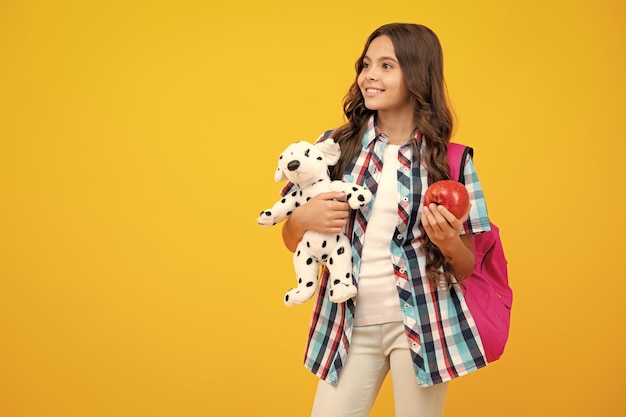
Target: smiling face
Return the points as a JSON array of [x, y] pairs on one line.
[[380, 80]]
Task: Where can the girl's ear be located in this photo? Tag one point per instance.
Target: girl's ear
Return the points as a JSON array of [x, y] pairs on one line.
[[279, 175], [330, 149]]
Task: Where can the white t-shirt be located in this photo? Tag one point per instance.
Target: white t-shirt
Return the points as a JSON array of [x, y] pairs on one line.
[[377, 297]]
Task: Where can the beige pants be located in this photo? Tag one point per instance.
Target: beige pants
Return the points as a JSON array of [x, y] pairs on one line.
[[374, 350]]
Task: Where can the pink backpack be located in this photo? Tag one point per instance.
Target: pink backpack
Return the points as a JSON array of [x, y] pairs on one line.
[[487, 292]]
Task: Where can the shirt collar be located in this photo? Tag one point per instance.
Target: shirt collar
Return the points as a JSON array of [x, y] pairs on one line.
[[373, 132]]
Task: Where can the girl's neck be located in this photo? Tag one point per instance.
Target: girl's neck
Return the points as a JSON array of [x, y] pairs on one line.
[[398, 127]]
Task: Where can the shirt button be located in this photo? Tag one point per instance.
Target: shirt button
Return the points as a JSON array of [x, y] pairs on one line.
[[399, 236], [407, 306], [405, 199], [402, 270], [405, 169]]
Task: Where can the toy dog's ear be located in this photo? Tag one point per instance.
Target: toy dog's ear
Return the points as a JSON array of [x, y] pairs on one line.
[[279, 175], [330, 149]]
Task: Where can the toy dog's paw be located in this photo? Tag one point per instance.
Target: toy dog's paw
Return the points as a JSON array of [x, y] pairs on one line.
[[342, 292], [299, 295], [266, 218], [358, 197]]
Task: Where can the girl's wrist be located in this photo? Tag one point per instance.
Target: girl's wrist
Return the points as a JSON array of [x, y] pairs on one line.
[[452, 247]]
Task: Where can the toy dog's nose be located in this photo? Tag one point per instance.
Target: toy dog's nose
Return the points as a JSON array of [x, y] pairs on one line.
[[293, 165]]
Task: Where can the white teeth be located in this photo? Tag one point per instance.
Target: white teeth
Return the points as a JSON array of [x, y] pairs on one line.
[[372, 90]]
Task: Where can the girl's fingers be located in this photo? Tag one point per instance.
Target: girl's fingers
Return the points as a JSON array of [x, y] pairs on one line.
[[432, 216]]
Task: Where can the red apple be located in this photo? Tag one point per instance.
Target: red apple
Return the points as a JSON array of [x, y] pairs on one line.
[[451, 194]]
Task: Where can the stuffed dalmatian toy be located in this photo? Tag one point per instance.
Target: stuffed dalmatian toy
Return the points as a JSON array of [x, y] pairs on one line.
[[306, 166]]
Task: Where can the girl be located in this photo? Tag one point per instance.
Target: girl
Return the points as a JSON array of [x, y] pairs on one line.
[[409, 316]]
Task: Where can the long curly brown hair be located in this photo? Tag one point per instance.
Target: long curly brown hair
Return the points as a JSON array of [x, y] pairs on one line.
[[420, 56]]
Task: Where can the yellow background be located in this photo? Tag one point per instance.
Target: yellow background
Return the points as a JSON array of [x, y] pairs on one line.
[[138, 141]]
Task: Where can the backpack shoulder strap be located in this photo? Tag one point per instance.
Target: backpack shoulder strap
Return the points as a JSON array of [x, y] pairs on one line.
[[457, 154]]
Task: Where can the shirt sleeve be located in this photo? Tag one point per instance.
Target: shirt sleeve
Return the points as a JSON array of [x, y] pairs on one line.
[[287, 188], [478, 220]]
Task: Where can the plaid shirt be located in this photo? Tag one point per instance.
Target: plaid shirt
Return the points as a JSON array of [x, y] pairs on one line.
[[441, 333]]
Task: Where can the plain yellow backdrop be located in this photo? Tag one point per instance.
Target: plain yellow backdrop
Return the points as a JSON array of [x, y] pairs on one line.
[[138, 141]]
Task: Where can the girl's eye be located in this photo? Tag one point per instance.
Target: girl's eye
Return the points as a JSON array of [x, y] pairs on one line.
[[387, 66], [365, 65]]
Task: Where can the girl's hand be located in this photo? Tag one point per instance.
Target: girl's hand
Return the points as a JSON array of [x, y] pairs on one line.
[[324, 213], [442, 226]]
